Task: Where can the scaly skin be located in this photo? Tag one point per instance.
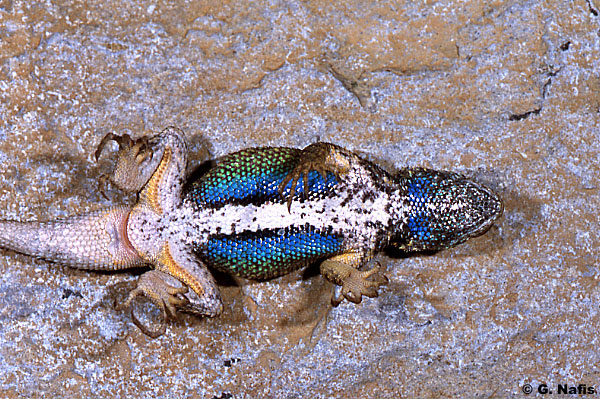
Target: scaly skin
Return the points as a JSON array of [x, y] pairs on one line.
[[258, 214]]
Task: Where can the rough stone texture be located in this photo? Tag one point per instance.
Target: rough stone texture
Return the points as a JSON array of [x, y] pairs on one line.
[[507, 92]]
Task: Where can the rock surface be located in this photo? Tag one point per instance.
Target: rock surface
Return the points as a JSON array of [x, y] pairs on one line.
[[507, 92]]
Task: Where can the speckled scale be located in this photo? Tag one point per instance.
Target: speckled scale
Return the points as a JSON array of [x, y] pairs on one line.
[[443, 208]]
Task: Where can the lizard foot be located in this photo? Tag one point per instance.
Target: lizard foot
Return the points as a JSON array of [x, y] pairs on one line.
[[129, 174], [352, 283], [319, 157], [166, 297]]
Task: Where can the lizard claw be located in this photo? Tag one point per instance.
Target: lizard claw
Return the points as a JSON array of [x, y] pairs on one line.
[[356, 284], [166, 297], [352, 283], [301, 173], [102, 184], [129, 174], [108, 137], [318, 157], [138, 147]]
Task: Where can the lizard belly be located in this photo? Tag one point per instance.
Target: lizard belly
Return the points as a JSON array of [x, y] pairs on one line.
[[243, 224], [265, 241], [269, 253]]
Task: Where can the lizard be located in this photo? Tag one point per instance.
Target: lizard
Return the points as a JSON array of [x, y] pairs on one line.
[[258, 213]]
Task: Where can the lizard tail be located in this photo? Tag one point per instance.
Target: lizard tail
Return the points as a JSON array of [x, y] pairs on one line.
[[94, 241]]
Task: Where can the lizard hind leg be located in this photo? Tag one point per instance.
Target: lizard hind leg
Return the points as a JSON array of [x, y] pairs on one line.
[[153, 166], [179, 282], [164, 292], [154, 286], [135, 163], [350, 282]]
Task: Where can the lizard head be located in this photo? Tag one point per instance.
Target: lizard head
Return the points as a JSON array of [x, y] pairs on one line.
[[437, 210]]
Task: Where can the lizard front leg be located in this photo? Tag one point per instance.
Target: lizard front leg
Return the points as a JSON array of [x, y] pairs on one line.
[[351, 283], [321, 157]]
